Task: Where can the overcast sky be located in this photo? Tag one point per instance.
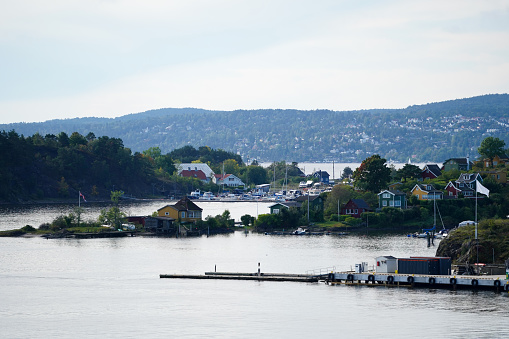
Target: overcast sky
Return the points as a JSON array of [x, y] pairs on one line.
[[66, 59]]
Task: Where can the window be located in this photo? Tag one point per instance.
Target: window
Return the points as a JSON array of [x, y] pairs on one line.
[[275, 211], [194, 214], [166, 213], [355, 211], [391, 203], [384, 203], [386, 195], [397, 203], [183, 214]]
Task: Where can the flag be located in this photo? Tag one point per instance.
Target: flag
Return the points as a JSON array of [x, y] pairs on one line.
[[83, 197], [481, 189]]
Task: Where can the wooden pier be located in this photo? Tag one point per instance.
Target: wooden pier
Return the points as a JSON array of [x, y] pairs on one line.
[[486, 282], [247, 276]]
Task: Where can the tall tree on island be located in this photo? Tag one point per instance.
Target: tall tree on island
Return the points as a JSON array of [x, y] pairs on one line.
[[373, 174], [409, 171], [491, 147]]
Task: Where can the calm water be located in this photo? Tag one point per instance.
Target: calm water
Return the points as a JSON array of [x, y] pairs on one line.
[[111, 288], [17, 216]]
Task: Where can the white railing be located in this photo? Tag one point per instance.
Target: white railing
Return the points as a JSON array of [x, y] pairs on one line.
[[321, 271]]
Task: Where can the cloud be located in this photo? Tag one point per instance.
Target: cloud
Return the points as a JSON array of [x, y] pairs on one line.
[[107, 58]]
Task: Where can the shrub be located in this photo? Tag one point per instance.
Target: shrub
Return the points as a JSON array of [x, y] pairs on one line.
[[28, 229]]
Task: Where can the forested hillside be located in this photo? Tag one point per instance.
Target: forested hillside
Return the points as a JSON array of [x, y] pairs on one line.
[[59, 166], [431, 132]]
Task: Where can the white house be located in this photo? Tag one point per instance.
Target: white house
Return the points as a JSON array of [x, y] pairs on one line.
[[386, 264], [229, 180], [196, 167]]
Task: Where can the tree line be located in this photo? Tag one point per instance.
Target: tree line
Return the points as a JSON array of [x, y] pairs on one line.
[[41, 167]]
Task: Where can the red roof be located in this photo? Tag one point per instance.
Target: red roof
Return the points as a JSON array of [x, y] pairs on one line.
[[221, 177], [193, 174]]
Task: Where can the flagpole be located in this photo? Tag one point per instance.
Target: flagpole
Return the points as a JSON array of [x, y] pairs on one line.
[[476, 240]]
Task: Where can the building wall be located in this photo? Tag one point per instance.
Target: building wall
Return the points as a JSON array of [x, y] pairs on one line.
[[385, 265]]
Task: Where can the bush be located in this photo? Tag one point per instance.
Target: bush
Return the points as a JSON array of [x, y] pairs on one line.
[[28, 229], [45, 226], [352, 221]]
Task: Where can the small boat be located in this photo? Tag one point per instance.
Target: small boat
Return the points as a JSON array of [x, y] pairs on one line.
[[208, 196], [299, 231], [194, 195]]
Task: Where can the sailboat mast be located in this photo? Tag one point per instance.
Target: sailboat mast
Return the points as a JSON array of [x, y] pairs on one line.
[[434, 209]]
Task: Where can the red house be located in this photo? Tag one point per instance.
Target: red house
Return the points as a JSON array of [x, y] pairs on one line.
[[452, 191], [355, 207], [430, 172]]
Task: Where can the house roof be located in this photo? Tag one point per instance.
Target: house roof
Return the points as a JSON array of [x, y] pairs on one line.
[[321, 174], [360, 203], [184, 204], [386, 257], [191, 166], [221, 176], [462, 161], [468, 177], [199, 174], [433, 168], [450, 183], [287, 204], [424, 188], [161, 218], [303, 198], [393, 192]]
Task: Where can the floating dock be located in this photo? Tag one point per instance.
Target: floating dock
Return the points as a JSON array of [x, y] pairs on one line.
[[496, 283], [487, 282]]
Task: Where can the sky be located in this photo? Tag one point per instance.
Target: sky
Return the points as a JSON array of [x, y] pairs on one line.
[[64, 58]]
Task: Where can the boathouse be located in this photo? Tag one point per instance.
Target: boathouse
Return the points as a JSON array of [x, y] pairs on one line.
[[159, 224]]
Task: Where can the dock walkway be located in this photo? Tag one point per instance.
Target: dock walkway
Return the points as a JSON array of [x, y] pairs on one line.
[[496, 283], [492, 282], [248, 276]]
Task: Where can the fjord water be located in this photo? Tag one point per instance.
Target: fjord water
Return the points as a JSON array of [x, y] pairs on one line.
[[111, 288]]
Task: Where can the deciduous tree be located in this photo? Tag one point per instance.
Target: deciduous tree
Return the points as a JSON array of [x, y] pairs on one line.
[[491, 147], [373, 174]]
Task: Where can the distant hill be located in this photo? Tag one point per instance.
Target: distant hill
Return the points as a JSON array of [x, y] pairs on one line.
[[430, 132]]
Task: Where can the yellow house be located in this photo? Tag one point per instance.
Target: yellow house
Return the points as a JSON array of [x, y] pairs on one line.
[[497, 160], [498, 176], [183, 210], [426, 192]]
